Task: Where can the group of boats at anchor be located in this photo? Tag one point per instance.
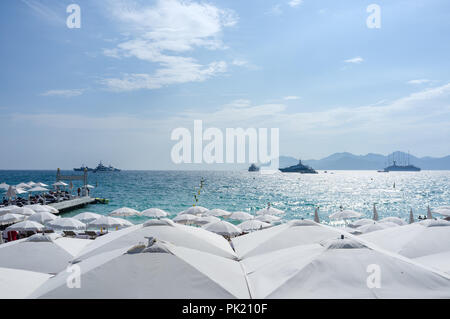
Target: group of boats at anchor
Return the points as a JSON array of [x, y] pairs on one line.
[[304, 169], [100, 168]]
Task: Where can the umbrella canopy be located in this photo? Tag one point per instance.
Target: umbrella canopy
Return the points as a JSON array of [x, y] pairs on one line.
[[345, 214], [442, 211], [89, 186], [223, 228], [60, 184], [87, 217], [195, 210], [23, 185], [66, 224], [31, 183], [241, 216], [11, 218], [154, 213], [267, 218], [164, 229], [252, 225], [42, 217], [7, 209], [375, 227], [413, 240], [26, 226], [324, 271], [185, 219], [124, 222], [19, 284], [394, 220], [292, 233], [158, 270], [42, 208], [206, 220], [106, 222], [361, 222], [218, 213], [41, 184], [19, 191], [270, 211], [47, 253], [440, 262], [124, 212], [22, 211], [4, 186], [38, 189]]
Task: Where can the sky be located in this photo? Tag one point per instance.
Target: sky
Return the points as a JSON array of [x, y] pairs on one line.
[[116, 88]]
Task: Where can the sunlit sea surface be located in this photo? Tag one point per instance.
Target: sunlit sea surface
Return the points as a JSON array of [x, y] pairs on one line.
[[297, 194]]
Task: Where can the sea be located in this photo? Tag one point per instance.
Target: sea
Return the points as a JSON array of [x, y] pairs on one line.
[[394, 193]]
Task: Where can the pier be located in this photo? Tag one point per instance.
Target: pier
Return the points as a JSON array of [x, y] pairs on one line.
[[71, 204]]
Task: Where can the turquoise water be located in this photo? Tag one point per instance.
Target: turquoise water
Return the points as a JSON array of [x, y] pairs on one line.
[[297, 194]]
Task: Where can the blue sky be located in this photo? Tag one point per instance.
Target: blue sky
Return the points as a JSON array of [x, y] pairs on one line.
[[114, 89]]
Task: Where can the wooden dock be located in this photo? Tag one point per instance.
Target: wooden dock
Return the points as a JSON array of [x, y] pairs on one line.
[[73, 204]]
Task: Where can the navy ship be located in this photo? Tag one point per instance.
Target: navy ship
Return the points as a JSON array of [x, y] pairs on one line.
[[82, 168], [299, 168], [102, 168], [253, 168]]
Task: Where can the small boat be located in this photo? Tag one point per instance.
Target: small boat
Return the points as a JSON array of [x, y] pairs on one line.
[[299, 168], [82, 168], [253, 168], [102, 168]]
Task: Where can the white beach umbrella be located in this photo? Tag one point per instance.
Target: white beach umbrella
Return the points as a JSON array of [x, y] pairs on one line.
[[41, 184], [57, 184], [440, 261], [339, 268], [47, 253], [42, 208], [164, 229], [154, 213], [31, 183], [19, 284], [361, 222], [345, 214], [38, 189], [11, 218], [42, 217], [223, 228], [66, 224], [4, 186], [23, 185], [252, 225], [20, 191], [394, 220], [159, 270], [26, 226], [442, 211], [194, 210], [185, 219], [22, 211], [241, 216], [89, 186], [413, 240], [270, 211], [105, 222], [124, 212], [268, 218], [7, 209], [124, 222], [87, 217], [206, 220], [375, 227], [292, 233], [218, 213]]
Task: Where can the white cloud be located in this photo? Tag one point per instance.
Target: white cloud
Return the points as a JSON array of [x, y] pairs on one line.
[[291, 97], [356, 60], [295, 3], [164, 34], [63, 93], [419, 81], [275, 10], [46, 12]]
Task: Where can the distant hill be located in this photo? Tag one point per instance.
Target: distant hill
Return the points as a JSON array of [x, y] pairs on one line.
[[349, 161]]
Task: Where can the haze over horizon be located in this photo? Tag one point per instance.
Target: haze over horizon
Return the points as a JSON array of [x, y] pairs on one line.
[[116, 88]]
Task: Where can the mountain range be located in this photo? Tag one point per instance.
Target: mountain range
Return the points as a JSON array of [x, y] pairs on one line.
[[349, 161]]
